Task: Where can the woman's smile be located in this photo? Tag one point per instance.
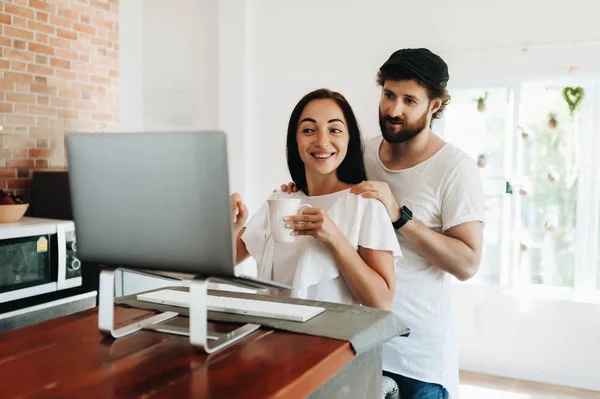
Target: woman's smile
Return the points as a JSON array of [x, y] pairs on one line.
[[322, 155]]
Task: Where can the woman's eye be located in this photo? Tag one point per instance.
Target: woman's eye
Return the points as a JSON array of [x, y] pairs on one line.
[[307, 130], [334, 130]]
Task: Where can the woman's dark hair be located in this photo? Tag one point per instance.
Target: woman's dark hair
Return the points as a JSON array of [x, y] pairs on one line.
[[437, 90], [352, 168]]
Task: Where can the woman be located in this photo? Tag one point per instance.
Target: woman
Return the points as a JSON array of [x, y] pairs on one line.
[[345, 247]]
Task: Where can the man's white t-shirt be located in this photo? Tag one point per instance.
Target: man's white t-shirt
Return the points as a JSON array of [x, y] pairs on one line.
[[307, 264], [442, 192]]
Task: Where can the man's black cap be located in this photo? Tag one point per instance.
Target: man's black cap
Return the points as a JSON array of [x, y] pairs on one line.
[[428, 66]]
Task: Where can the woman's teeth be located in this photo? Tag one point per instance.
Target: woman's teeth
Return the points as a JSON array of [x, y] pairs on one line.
[[322, 156]]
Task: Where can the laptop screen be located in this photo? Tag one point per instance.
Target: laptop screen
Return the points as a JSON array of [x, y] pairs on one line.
[[152, 200]]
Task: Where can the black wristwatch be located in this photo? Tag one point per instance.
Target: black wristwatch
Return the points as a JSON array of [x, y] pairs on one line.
[[405, 216]]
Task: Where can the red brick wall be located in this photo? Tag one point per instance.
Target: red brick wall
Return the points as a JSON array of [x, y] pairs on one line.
[[59, 73]]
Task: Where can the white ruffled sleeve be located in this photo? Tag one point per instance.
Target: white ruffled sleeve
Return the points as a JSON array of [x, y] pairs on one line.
[[376, 231]]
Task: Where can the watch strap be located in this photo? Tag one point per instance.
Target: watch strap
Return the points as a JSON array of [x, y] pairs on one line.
[[405, 216]]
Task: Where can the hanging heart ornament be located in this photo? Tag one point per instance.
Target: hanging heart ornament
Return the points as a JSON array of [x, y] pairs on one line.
[[573, 96]]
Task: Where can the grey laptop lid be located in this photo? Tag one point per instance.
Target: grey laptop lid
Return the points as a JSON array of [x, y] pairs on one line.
[[152, 200]]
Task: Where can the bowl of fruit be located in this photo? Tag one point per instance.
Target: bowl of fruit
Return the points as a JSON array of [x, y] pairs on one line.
[[12, 207]]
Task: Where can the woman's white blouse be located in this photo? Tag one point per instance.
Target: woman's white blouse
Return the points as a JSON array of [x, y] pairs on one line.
[[307, 264]]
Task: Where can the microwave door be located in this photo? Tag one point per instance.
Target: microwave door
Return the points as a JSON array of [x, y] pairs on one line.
[[25, 267]]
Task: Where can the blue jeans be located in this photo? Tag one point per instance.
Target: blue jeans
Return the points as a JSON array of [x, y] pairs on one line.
[[415, 389]]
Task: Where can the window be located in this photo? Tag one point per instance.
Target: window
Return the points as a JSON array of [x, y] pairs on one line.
[[538, 170], [486, 135], [550, 159]]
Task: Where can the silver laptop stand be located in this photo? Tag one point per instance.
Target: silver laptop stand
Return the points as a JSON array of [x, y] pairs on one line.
[[197, 331]]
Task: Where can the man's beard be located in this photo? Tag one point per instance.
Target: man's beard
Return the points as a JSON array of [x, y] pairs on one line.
[[407, 132]]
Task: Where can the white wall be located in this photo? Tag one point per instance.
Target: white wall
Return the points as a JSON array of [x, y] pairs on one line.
[[180, 64], [131, 65], [168, 58], [236, 88], [527, 337]]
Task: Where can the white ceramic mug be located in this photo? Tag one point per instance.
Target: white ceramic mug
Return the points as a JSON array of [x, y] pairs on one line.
[[279, 209]]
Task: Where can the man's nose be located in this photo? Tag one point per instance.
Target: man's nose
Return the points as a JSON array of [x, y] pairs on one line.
[[395, 109]]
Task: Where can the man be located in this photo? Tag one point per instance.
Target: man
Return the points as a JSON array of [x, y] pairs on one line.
[[434, 197]]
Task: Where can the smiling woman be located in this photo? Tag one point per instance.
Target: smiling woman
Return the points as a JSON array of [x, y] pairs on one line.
[[323, 123], [322, 143], [345, 247]]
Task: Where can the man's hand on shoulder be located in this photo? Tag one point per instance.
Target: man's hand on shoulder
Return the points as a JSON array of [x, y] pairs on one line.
[[381, 191], [288, 188]]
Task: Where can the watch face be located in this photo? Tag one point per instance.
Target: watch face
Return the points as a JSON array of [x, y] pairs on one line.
[[407, 211]]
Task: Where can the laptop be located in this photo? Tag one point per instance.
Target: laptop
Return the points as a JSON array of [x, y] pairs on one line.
[[154, 201]]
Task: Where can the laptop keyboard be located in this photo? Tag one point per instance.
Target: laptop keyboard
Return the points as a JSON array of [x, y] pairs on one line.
[[249, 307]]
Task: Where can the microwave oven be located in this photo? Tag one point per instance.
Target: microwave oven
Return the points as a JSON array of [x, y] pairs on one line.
[[37, 256]]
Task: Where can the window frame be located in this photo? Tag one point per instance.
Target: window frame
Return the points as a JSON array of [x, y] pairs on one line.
[[585, 287]]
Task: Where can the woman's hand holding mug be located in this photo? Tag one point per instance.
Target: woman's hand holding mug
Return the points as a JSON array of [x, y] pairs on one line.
[[314, 222]]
